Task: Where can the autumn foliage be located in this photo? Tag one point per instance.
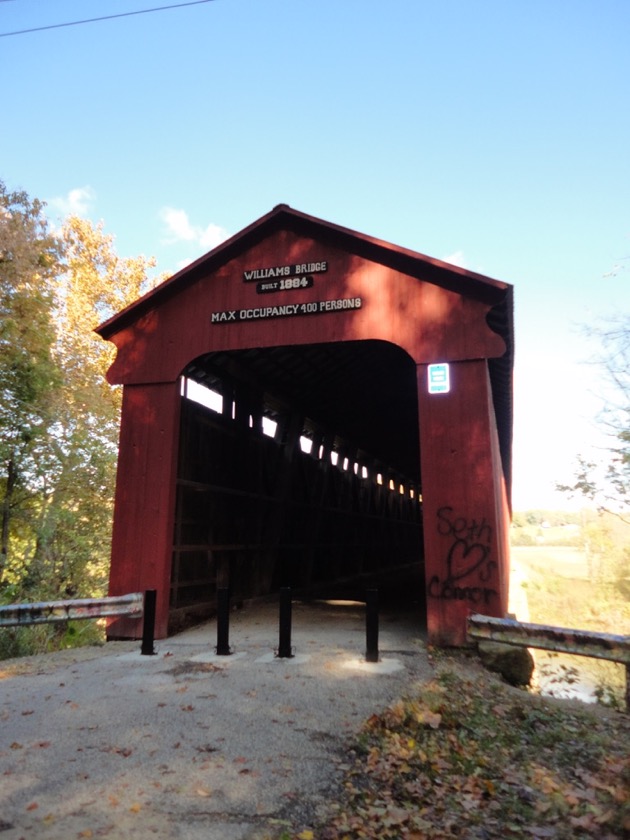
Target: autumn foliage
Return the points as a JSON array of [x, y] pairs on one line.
[[59, 417], [469, 757]]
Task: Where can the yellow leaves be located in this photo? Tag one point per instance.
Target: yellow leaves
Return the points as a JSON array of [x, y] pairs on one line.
[[546, 783], [467, 753], [306, 835]]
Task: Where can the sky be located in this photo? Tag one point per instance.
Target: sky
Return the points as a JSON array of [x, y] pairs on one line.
[[494, 134]]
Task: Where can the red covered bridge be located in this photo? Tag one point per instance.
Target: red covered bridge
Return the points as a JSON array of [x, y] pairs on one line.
[[355, 419]]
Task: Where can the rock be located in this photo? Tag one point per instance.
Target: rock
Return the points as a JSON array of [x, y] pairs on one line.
[[515, 664]]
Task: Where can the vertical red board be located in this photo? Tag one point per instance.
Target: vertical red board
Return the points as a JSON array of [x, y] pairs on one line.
[[145, 492], [463, 513]]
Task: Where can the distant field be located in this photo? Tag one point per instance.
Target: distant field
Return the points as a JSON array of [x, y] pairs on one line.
[[558, 591], [562, 560]]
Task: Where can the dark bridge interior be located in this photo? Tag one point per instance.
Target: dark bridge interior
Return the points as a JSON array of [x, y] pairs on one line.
[[305, 472]]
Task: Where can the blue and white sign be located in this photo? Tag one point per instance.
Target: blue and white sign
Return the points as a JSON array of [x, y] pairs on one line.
[[439, 379]]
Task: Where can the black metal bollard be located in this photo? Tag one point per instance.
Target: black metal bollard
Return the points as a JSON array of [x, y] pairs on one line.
[[284, 645], [223, 622], [148, 624], [371, 625]]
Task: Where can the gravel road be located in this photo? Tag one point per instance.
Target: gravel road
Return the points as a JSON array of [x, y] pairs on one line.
[[104, 742]]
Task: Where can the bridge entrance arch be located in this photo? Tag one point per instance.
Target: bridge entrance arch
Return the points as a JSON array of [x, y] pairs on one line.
[[304, 404]]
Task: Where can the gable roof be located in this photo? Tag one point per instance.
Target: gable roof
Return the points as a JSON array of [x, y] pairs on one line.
[[496, 294], [283, 217]]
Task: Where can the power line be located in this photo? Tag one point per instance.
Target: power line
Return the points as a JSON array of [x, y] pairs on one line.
[[106, 17]]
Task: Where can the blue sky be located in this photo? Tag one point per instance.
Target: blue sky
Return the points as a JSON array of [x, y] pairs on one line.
[[492, 134]]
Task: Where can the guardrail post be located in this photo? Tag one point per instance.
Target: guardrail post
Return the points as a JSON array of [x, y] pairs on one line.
[[371, 625], [284, 645], [223, 622], [148, 625]]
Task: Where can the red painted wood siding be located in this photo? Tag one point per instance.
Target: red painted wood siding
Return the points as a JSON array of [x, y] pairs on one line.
[[145, 498], [464, 510], [465, 503], [429, 322]]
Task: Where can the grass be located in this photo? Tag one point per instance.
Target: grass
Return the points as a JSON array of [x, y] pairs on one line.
[[468, 757]]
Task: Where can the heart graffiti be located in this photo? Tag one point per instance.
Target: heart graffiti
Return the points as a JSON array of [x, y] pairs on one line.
[[468, 565], [464, 559]]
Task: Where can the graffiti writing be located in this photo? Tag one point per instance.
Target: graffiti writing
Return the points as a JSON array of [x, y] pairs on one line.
[[469, 568]]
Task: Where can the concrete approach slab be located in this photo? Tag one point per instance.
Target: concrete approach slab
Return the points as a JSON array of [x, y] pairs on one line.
[[104, 742]]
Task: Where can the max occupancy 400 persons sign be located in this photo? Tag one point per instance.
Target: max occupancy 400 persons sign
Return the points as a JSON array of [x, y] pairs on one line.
[[314, 307], [282, 278]]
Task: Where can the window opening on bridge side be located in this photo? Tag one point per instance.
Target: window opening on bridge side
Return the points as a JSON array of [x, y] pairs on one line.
[[214, 400], [201, 394]]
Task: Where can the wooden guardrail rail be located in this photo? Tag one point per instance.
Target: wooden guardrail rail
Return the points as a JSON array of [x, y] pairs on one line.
[[559, 639], [134, 605]]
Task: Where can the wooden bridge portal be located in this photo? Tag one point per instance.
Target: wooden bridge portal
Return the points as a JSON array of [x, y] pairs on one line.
[[306, 405]]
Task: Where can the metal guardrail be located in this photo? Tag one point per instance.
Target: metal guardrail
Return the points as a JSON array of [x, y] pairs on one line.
[[559, 639], [47, 612], [133, 605]]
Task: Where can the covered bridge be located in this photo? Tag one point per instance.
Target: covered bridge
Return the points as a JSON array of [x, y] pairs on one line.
[[304, 405]]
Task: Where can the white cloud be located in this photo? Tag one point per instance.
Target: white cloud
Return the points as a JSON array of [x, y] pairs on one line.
[[183, 263], [180, 229], [456, 258], [76, 203]]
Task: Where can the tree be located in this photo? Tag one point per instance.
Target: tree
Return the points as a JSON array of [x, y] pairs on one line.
[[74, 517], [29, 262], [608, 483], [58, 416]]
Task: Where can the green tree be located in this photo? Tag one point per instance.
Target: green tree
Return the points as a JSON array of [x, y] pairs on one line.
[[59, 417], [74, 516], [29, 261]]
